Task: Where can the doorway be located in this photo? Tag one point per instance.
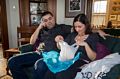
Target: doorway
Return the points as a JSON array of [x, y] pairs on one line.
[[3, 26]]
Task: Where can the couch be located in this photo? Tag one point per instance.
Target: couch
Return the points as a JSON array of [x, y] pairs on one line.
[[112, 43]]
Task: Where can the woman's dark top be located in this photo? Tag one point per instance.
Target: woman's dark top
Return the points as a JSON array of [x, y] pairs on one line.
[[47, 36], [92, 41]]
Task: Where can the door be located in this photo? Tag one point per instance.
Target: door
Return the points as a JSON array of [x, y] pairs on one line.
[[3, 25]]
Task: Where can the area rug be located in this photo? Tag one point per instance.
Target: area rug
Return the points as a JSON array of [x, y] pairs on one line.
[[6, 77]]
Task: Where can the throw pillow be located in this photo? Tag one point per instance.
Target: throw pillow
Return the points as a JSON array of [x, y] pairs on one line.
[[102, 51]]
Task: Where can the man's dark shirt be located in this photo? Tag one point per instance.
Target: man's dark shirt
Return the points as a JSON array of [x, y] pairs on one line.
[[47, 36]]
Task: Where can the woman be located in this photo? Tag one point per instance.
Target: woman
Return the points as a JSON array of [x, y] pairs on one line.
[[87, 42]]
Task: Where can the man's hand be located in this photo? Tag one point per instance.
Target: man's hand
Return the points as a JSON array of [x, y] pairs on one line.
[[102, 34], [42, 25]]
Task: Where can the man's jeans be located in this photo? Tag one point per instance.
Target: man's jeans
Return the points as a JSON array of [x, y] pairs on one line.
[[16, 64], [40, 69]]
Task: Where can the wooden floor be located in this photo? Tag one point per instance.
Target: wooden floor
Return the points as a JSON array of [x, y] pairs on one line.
[[6, 77], [1, 51], [1, 57]]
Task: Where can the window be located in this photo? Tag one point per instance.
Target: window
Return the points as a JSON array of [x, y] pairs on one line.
[[100, 6]]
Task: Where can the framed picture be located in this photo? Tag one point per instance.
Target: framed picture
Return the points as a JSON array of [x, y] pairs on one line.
[[113, 17], [34, 8], [35, 19], [38, 8], [74, 7], [118, 18], [115, 6]]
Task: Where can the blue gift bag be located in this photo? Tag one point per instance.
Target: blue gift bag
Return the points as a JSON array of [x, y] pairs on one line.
[[54, 64]]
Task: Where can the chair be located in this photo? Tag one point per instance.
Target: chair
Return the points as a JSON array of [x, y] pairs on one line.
[[23, 37], [24, 34]]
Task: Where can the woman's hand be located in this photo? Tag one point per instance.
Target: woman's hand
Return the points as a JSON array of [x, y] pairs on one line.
[[59, 38], [80, 40], [81, 43]]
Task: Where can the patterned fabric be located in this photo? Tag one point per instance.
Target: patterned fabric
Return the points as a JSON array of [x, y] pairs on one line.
[[53, 63], [6, 77], [98, 69]]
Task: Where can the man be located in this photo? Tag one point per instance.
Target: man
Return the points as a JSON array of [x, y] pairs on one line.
[[44, 34]]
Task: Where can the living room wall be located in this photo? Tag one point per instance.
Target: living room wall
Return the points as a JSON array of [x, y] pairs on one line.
[[61, 13], [13, 21]]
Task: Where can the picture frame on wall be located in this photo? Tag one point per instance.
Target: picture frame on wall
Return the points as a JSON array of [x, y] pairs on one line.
[[113, 17], [118, 18], [38, 8], [115, 7], [74, 7], [35, 19]]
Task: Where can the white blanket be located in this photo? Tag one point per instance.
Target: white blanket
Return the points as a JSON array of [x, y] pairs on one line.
[[97, 69]]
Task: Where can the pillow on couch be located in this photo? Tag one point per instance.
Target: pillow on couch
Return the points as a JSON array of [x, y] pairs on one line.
[[109, 42], [102, 51], [116, 47]]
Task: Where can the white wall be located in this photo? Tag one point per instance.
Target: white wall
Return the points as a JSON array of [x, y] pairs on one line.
[[61, 13], [13, 21]]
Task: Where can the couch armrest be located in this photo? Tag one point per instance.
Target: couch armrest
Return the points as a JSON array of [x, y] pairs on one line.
[[112, 43], [114, 73], [26, 48]]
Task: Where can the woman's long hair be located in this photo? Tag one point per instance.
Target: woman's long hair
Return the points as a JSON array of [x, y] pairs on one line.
[[83, 19]]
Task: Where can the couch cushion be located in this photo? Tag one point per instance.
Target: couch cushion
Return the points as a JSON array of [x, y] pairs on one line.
[[116, 47], [26, 48], [114, 73], [102, 51], [112, 43]]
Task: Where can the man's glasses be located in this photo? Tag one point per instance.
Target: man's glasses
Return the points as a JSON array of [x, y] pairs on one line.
[[45, 20]]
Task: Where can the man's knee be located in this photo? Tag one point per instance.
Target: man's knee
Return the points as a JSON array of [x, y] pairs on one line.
[[11, 62], [40, 65]]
